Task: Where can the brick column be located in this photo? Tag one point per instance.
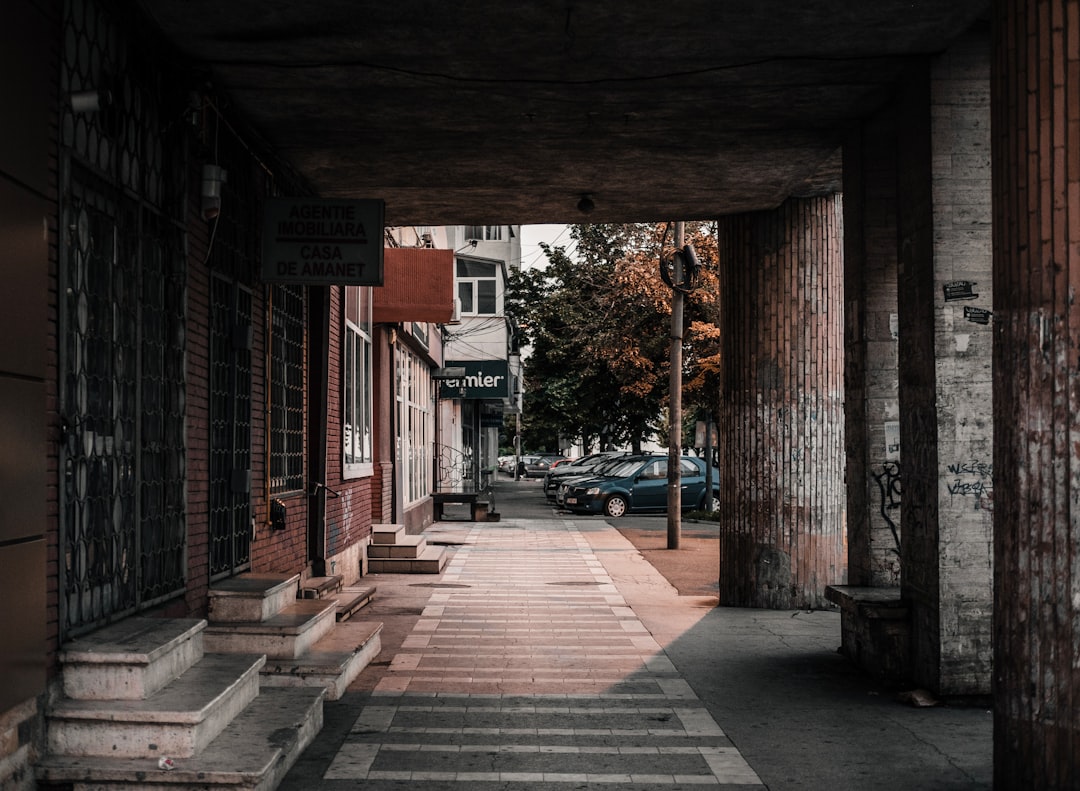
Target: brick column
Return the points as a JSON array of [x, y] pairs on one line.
[[781, 422], [1036, 155]]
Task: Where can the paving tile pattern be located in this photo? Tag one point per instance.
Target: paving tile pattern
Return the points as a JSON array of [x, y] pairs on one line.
[[527, 670]]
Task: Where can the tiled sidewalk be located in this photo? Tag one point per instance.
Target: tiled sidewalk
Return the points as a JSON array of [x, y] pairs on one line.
[[528, 670]]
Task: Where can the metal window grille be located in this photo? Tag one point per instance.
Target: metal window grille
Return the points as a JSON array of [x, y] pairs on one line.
[[232, 259], [122, 327], [230, 427], [287, 389]]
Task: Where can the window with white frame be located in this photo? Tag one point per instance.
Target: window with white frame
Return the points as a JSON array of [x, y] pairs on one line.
[[484, 233], [477, 287], [356, 403], [415, 424]]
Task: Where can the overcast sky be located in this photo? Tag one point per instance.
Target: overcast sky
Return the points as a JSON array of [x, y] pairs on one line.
[[532, 235]]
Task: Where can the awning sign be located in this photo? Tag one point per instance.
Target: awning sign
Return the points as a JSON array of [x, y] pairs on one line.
[[482, 379], [318, 242]]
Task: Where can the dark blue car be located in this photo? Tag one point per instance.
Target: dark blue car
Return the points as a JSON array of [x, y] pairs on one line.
[[640, 486]]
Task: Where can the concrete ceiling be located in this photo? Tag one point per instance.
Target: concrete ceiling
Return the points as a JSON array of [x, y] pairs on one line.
[[491, 113]]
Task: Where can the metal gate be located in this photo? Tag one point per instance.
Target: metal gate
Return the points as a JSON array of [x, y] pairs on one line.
[[122, 400], [121, 335]]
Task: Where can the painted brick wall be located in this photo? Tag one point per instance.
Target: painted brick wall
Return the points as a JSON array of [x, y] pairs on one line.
[[960, 109], [917, 393], [871, 404], [945, 380]]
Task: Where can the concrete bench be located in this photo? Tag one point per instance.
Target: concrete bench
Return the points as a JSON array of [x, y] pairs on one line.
[[475, 499], [875, 626]]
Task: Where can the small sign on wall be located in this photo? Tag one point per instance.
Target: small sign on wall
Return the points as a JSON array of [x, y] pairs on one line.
[[316, 242], [479, 379], [892, 439], [960, 289]]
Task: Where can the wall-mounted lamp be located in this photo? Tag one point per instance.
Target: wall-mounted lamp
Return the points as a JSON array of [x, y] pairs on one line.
[[586, 205], [89, 101], [213, 176]]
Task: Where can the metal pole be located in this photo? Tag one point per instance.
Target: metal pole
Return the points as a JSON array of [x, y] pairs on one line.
[[517, 445], [674, 486], [708, 461]]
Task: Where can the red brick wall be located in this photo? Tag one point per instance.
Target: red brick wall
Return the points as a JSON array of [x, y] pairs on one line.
[[197, 334], [52, 402], [349, 516]]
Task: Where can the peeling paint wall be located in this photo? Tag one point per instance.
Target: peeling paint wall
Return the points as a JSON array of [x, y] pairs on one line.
[[945, 374], [870, 342]]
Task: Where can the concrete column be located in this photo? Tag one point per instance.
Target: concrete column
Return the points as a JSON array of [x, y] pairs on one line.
[[781, 422], [1036, 155], [871, 329], [945, 367]]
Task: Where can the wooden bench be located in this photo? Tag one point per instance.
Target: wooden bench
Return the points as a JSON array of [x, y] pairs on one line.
[[467, 495]]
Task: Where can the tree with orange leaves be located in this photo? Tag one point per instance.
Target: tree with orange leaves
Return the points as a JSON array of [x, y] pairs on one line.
[[597, 326]]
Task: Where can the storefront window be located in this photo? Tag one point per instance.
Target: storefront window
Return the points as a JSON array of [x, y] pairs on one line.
[[356, 384]]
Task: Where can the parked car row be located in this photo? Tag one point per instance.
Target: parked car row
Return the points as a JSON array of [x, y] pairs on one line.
[[533, 465], [592, 464], [618, 484]]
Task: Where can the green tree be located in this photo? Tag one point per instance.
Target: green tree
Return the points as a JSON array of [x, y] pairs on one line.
[[598, 330]]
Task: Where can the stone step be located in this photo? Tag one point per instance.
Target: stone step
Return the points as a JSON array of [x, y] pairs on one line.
[[350, 599], [179, 720], [253, 753], [131, 659], [431, 561], [386, 534], [320, 587], [405, 547], [252, 597], [287, 634], [332, 663]]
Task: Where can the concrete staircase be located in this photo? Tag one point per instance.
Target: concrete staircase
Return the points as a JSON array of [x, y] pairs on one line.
[[347, 598], [392, 551], [303, 640], [145, 689]]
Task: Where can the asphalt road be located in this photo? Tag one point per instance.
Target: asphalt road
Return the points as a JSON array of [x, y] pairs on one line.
[[693, 569]]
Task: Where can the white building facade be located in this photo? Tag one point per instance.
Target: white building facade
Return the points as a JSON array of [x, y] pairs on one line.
[[483, 369]]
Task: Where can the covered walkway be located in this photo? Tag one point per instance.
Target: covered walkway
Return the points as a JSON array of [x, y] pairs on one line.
[[550, 654]]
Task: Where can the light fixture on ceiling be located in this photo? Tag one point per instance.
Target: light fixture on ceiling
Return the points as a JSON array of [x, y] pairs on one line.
[[586, 205]]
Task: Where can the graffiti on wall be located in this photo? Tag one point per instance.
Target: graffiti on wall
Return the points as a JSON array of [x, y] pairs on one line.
[[972, 478], [888, 481]]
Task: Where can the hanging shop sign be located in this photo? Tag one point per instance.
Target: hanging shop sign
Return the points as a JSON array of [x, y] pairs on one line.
[[482, 379], [317, 242]]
